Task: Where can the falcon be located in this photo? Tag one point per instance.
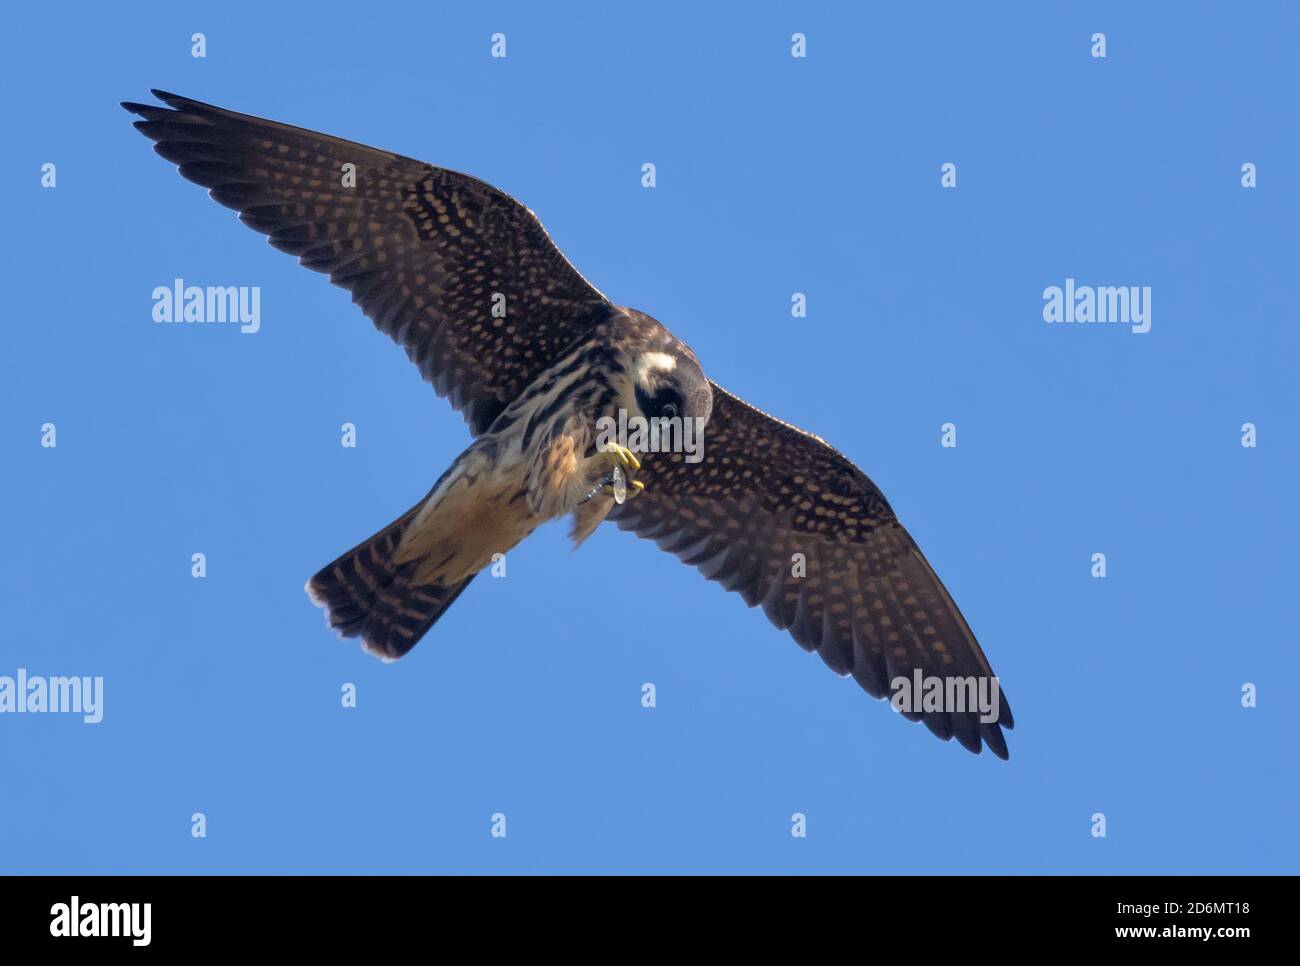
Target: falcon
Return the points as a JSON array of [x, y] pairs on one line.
[[469, 283]]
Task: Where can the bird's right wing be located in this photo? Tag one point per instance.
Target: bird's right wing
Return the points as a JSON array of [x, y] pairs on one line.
[[423, 250], [778, 516]]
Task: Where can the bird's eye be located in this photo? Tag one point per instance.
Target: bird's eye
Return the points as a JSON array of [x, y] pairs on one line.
[[669, 410]]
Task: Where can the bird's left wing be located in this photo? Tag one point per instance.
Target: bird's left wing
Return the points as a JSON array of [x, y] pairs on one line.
[[861, 595], [426, 252]]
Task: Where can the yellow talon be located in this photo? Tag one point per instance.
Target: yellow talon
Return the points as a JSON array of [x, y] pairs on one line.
[[617, 483], [617, 455], [627, 458]]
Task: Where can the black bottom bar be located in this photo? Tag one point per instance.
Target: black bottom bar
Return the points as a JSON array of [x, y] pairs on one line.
[[922, 914]]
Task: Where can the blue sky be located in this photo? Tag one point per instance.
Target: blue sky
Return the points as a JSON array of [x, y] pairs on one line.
[[775, 175]]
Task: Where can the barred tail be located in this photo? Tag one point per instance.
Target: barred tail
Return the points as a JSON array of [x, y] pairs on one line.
[[367, 594]]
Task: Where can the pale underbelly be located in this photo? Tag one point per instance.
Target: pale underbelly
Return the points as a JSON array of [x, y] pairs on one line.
[[473, 518]]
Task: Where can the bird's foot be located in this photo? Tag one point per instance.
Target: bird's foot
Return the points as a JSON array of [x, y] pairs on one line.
[[617, 456], [615, 482]]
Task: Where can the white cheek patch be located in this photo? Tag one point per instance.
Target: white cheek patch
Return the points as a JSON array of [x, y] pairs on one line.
[[649, 362]]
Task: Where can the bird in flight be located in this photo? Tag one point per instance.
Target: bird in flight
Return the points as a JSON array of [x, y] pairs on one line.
[[769, 511]]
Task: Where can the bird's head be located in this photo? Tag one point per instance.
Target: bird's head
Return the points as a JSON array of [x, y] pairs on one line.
[[664, 399], [667, 382]]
